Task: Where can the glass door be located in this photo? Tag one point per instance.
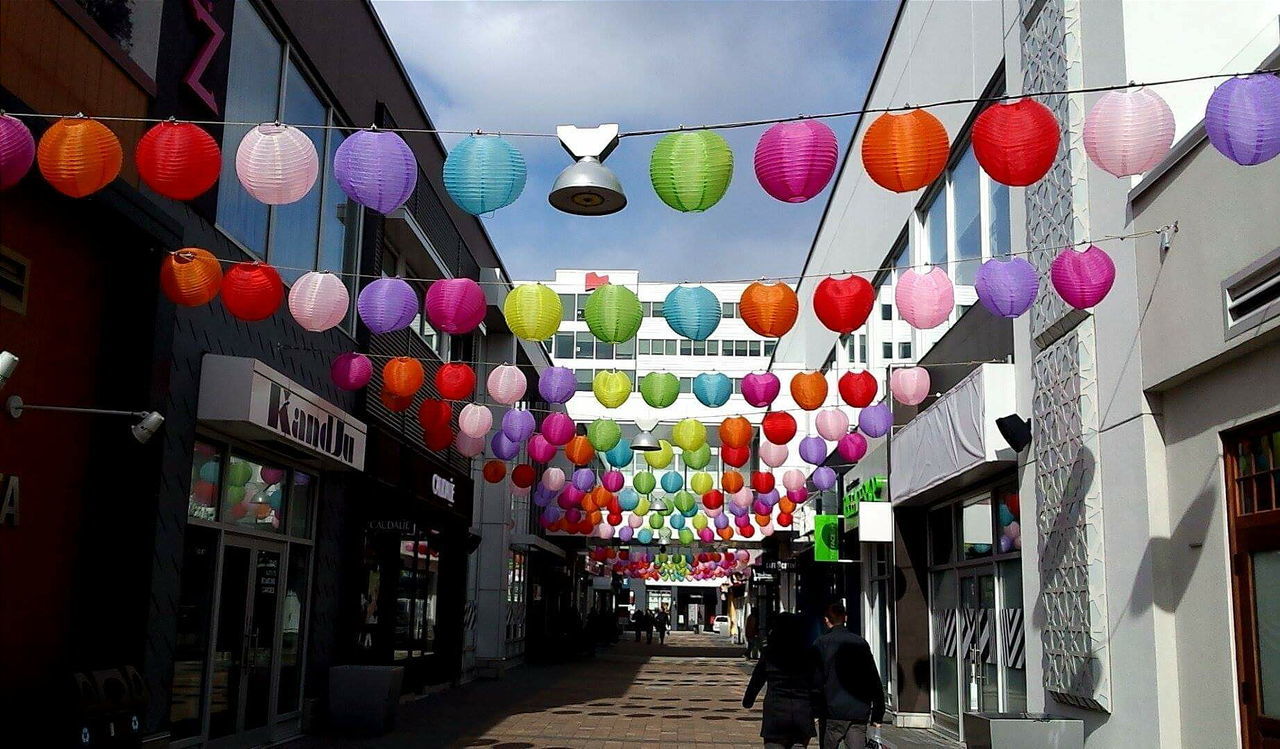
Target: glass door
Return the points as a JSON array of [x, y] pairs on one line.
[[977, 638]]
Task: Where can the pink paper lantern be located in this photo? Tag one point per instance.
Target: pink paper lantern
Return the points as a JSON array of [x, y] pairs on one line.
[[455, 305], [852, 447], [277, 164], [793, 479], [558, 428], [507, 384], [1083, 279], [798, 495], [541, 451], [772, 455], [467, 445], [924, 300], [795, 160], [760, 389], [17, 150], [612, 481], [351, 371], [604, 530], [1128, 132], [832, 424], [910, 386], [318, 301], [475, 420]]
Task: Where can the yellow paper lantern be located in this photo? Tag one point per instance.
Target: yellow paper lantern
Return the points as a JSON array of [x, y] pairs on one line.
[[533, 312], [689, 434], [611, 388], [660, 458], [701, 483]]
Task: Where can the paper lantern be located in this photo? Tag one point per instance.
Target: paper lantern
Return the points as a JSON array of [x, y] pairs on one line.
[[784, 519], [832, 424], [318, 301], [734, 456], [558, 428], [771, 454], [402, 376], [692, 312], [778, 427], [770, 310], [905, 152], [475, 420], [924, 300], [760, 389], [852, 447], [503, 447], [793, 480], [584, 480], [736, 431], [809, 389], [351, 371], [712, 389], [659, 389], [604, 435], [523, 476], [691, 170], [858, 389], [795, 160], [468, 446], [762, 482], [689, 434], [540, 451], [910, 386], [376, 169], [875, 421], [494, 471], [842, 305], [660, 458], [700, 483], [532, 311], [1007, 288], [824, 478], [620, 455], [798, 495], [813, 450], [731, 481], [611, 388], [17, 151], [277, 164], [613, 313], [697, 459], [190, 277], [395, 403], [1242, 118], [1083, 279], [579, 451], [644, 482], [557, 384], [506, 384], [252, 291], [612, 481], [455, 381], [671, 482], [387, 305], [455, 305], [1016, 143], [484, 173], [438, 438], [178, 160], [553, 479], [518, 425], [1128, 132], [79, 156], [434, 414]]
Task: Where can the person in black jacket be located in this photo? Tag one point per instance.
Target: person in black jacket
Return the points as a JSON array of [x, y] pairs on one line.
[[790, 667], [852, 693]]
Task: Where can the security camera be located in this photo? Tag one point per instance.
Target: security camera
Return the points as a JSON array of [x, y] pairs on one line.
[[150, 424], [8, 363]]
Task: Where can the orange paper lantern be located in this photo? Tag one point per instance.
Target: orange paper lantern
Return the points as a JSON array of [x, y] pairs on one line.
[[809, 389], [770, 310], [494, 471], [725, 533], [905, 152], [190, 277], [79, 156], [395, 403], [731, 481], [178, 160], [252, 291], [735, 431], [786, 505], [403, 376], [579, 450]]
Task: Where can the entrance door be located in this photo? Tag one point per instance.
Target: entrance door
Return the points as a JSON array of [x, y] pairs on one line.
[[246, 652], [977, 639]]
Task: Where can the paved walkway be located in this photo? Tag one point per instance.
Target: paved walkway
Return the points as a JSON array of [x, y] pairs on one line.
[[687, 693]]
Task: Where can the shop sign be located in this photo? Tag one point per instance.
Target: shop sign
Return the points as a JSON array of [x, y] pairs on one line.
[[9, 500], [442, 488], [402, 526], [826, 538], [871, 490]]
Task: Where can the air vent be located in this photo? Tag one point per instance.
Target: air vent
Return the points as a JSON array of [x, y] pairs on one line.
[[1252, 296], [14, 276]]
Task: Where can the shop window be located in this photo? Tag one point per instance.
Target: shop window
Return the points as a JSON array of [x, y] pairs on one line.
[[293, 620], [206, 477], [416, 599], [301, 503], [254, 495], [517, 572], [975, 527], [191, 643], [1014, 660], [943, 605]]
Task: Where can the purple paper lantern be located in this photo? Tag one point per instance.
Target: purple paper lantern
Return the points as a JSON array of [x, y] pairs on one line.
[[625, 533], [540, 450], [584, 479], [518, 425], [542, 496], [558, 428], [612, 481], [874, 421], [502, 447], [557, 384], [351, 371], [1242, 118], [813, 450], [1007, 287], [852, 447], [770, 497], [824, 478], [1083, 279], [795, 160], [760, 389], [455, 305], [376, 169], [387, 304], [17, 150], [548, 517]]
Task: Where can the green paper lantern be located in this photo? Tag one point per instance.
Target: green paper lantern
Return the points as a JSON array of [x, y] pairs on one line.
[[533, 312], [239, 473], [660, 458], [691, 171], [642, 507], [700, 521], [611, 388], [604, 434], [643, 483], [656, 521], [613, 313], [686, 536], [659, 389], [700, 482], [689, 434], [685, 501], [697, 459]]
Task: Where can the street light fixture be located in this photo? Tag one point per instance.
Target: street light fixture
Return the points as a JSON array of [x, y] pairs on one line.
[[645, 442], [149, 421], [8, 363], [587, 187]]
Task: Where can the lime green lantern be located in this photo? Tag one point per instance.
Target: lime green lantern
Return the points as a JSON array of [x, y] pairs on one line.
[[664, 534], [532, 312], [656, 521], [642, 507], [644, 483], [700, 482], [660, 458], [685, 501], [690, 171], [699, 521], [689, 435], [659, 389], [697, 459], [613, 313], [611, 388], [604, 434], [686, 536]]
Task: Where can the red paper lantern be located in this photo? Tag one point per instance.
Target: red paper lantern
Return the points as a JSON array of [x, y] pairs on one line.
[[713, 500], [778, 427], [843, 305], [905, 152], [395, 403], [747, 531], [455, 381], [809, 389], [858, 388], [402, 376], [438, 439], [523, 476], [252, 291], [762, 481], [735, 431], [178, 160], [614, 518], [769, 310], [784, 519], [734, 456], [579, 450], [494, 471], [434, 414], [190, 277], [1016, 143]]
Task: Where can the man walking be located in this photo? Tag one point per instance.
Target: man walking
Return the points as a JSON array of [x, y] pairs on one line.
[[637, 621], [753, 636], [853, 695], [663, 623]]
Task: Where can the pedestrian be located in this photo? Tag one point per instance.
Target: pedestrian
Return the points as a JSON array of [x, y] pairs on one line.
[[648, 626], [662, 622], [790, 668], [637, 622], [753, 635], [852, 693]]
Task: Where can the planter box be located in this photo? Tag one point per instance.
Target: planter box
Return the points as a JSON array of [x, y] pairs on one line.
[[1020, 730]]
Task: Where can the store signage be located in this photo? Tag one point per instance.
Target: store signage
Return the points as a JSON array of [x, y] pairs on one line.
[[442, 487], [871, 490], [202, 12], [9, 500], [826, 538], [403, 526]]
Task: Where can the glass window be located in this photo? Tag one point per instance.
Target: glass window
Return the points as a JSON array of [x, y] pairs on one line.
[[253, 494], [671, 346], [886, 311], [769, 347], [191, 644], [625, 350], [1014, 660], [753, 348], [713, 348], [902, 261], [340, 220], [740, 348], [943, 606], [657, 309], [585, 345], [737, 386], [976, 527], [941, 535], [604, 350], [998, 218], [686, 385], [301, 500], [862, 348], [563, 346], [416, 600], [886, 350], [644, 349], [584, 379], [206, 475], [291, 629], [686, 347], [1266, 587], [567, 308], [935, 226], [295, 227], [581, 306], [646, 309], [966, 198], [699, 348], [904, 350]]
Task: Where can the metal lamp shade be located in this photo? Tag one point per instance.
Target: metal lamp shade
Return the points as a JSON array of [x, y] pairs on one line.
[[712, 389], [557, 384], [532, 312], [387, 305], [1242, 118], [79, 156], [17, 150], [689, 434], [924, 300], [692, 312], [277, 164], [1016, 143], [794, 161], [1007, 288], [611, 388], [484, 173], [659, 389], [587, 188], [1083, 279], [769, 309], [318, 301], [1128, 132], [613, 313], [905, 152], [178, 160], [455, 305], [761, 389]]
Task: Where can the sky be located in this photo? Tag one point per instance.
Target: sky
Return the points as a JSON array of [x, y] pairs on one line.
[[529, 66]]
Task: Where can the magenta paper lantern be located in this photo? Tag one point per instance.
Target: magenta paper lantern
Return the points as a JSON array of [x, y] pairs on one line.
[[760, 389], [540, 451], [318, 301], [376, 169], [475, 420], [813, 450], [467, 445], [455, 305], [824, 478], [1242, 118], [852, 447], [351, 371], [584, 479], [772, 455], [507, 384], [503, 448], [557, 384], [761, 508], [387, 305], [910, 386], [832, 424], [1007, 288], [569, 497], [793, 479], [277, 164], [1083, 279], [795, 160], [798, 495], [924, 300], [875, 421], [612, 481], [518, 425], [1128, 132], [17, 151], [558, 428]]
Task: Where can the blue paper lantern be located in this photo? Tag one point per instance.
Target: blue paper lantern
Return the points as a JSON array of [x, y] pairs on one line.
[[628, 499], [484, 173], [692, 311], [672, 482], [621, 455], [677, 521], [712, 389], [644, 535]]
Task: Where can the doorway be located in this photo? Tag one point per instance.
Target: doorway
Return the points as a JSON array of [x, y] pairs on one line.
[[978, 641]]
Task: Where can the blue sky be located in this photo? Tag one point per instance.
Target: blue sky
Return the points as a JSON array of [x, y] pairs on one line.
[[529, 66]]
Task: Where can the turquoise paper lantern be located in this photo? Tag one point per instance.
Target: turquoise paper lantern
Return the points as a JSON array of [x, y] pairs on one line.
[[484, 173], [692, 312], [621, 455], [712, 389], [672, 482]]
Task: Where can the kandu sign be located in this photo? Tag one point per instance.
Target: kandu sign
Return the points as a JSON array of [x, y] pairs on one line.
[[245, 397]]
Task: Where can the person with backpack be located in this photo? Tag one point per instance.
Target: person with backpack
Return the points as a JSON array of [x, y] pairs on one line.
[[852, 694], [790, 668], [663, 623]]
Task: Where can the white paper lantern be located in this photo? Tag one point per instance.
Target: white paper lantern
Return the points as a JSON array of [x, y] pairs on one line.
[[318, 301], [277, 164], [832, 424], [1128, 132], [475, 420], [910, 386], [507, 384]]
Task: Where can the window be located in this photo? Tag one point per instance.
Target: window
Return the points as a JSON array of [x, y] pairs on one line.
[[671, 346], [963, 308], [625, 350], [754, 348], [699, 348], [862, 348], [966, 198], [584, 377], [580, 306], [563, 348], [886, 350], [935, 227], [769, 347], [886, 311], [997, 218], [713, 348], [657, 309], [643, 346], [904, 350], [737, 386], [646, 309], [740, 348], [728, 310], [567, 309], [902, 260], [584, 345], [686, 347], [686, 385], [604, 350]]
